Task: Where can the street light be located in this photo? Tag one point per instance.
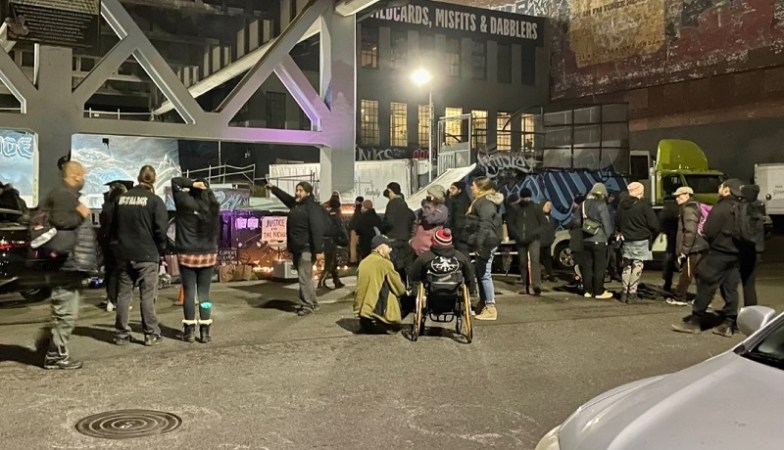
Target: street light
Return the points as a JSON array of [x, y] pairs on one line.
[[422, 77]]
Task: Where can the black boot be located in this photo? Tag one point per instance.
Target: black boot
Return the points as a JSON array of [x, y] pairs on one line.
[[338, 283], [58, 358], [204, 331], [189, 333]]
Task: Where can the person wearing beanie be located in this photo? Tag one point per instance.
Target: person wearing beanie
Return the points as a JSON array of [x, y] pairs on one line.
[[457, 205], [433, 214], [352, 228], [593, 261], [304, 239], [139, 228], [443, 251], [720, 267], [638, 226], [379, 287], [525, 222], [398, 225]]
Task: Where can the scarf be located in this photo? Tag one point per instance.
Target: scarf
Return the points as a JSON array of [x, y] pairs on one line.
[[479, 196]]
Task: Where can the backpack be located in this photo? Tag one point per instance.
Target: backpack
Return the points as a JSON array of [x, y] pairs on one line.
[[704, 209], [444, 276], [748, 219]]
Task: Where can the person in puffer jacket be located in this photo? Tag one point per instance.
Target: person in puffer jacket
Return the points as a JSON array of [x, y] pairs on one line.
[[484, 230], [593, 262], [433, 215], [638, 226]]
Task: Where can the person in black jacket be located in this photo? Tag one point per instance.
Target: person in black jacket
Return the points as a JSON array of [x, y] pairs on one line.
[[304, 239], [669, 222], [66, 214], [720, 266], [593, 261], [484, 228], [139, 227], [458, 203], [368, 225], [334, 237], [398, 226], [196, 244], [637, 225], [525, 220], [689, 246], [353, 238], [442, 247], [116, 189], [546, 239], [750, 253]]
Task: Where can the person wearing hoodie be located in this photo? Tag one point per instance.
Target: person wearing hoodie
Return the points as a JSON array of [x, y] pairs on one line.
[[398, 226], [750, 253], [637, 226], [720, 267], [594, 258], [484, 230], [443, 247], [368, 225], [457, 204], [525, 221], [434, 214], [689, 246]]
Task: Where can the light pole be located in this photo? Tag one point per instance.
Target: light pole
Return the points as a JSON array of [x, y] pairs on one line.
[[422, 77]]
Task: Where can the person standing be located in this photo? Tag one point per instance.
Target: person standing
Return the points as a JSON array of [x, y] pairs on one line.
[[368, 225], [116, 189], [139, 227], [74, 234], [720, 266], [304, 239], [398, 225], [457, 205], [378, 287], [637, 227], [546, 239], [196, 244], [689, 246], [484, 230], [434, 214], [669, 221], [525, 220], [594, 259], [334, 237], [750, 253], [352, 228]]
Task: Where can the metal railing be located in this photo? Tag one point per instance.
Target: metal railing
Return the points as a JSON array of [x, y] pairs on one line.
[[225, 173]]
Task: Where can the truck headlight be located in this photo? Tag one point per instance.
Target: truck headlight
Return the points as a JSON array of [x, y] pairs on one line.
[[550, 440]]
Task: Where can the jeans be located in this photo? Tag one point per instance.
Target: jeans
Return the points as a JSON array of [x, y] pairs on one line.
[[718, 270], [523, 251], [484, 273], [146, 274], [592, 266], [307, 292], [196, 282], [65, 311]]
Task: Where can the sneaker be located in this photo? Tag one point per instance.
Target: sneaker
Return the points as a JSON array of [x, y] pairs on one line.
[[61, 363], [726, 329], [477, 309], [151, 339], [677, 301], [122, 340], [303, 311], [588, 295], [687, 326], [488, 313], [604, 295]]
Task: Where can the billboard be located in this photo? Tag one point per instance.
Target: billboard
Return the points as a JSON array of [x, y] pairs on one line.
[[63, 23], [17, 162]]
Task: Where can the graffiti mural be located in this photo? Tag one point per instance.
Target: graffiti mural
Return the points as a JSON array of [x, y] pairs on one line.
[[504, 168], [539, 8], [382, 154], [17, 149]]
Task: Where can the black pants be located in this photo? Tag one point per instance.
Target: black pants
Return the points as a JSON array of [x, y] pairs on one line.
[[523, 251], [196, 282], [668, 270], [110, 281], [718, 270], [593, 265], [748, 276], [688, 271], [330, 261], [546, 259], [402, 257], [614, 261], [146, 274]]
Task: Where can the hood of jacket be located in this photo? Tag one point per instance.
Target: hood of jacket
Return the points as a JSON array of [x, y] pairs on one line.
[[626, 201], [496, 198]]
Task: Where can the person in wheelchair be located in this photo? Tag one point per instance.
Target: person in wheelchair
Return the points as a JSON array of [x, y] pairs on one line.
[[445, 263]]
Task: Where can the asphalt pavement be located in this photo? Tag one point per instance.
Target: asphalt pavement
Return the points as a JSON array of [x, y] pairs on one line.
[[272, 380]]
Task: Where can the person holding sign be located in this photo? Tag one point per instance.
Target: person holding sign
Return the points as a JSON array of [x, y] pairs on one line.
[[304, 239]]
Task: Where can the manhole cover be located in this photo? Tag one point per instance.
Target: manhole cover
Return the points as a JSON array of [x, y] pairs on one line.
[[128, 424]]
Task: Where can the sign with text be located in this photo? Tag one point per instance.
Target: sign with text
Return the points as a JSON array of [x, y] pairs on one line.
[[62, 23], [273, 228], [473, 22]]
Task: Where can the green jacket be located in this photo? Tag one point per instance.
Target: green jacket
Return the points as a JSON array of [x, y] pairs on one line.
[[378, 289]]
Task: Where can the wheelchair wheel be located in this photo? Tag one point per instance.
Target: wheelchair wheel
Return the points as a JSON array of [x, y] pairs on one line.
[[468, 329], [418, 327]]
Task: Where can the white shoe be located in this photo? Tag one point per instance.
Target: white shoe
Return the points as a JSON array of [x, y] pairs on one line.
[[110, 306]]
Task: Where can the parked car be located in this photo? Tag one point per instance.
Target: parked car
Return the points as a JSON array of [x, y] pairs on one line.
[[22, 270], [729, 402]]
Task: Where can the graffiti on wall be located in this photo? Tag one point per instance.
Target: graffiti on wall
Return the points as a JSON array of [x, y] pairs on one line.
[[539, 8], [386, 154]]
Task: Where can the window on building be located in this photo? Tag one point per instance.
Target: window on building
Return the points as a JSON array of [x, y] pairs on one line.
[[529, 65], [504, 63], [453, 57], [527, 126], [503, 132], [276, 110], [453, 127], [368, 125], [423, 129], [479, 60], [399, 49], [479, 123], [398, 124], [368, 53]]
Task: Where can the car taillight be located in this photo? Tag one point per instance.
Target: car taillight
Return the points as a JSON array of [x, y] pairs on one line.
[[11, 245]]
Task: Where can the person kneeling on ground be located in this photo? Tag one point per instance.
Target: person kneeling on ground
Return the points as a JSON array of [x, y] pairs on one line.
[[443, 253], [378, 287]]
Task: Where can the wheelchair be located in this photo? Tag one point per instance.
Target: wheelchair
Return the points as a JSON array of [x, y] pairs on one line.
[[443, 298]]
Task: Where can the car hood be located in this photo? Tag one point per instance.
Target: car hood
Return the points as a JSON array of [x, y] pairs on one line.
[[727, 402]]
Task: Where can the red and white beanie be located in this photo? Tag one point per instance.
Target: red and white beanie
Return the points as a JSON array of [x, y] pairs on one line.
[[442, 237]]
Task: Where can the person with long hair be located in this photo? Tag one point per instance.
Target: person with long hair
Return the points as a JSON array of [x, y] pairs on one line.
[[593, 263], [484, 230], [196, 244]]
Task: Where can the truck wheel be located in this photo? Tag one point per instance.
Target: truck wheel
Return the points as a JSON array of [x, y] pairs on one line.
[[36, 295], [563, 256]]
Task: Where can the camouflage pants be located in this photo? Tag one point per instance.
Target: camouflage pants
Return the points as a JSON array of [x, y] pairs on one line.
[[632, 272]]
